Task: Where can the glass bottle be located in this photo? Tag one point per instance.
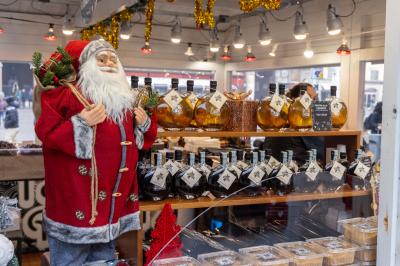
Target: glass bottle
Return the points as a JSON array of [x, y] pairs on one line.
[[252, 176], [334, 175], [300, 111], [134, 83], [190, 182], [172, 112], [143, 166], [191, 99], [343, 159], [359, 172], [223, 182], [338, 110], [281, 177], [233, 166], [205, 168], [265, 112], [157, 181], [292, 164], [208, 109], [264, 156], [305, 181]]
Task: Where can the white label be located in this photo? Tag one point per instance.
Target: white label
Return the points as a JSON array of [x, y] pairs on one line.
[[223, 261], [277, 103], [301, 251], [294, 166], [361, 170], [171, 167], [192, 99], [159, 177], [218, 99], [272, 164], [173, 99], [284, 174], [264, 167], [334, 245], [313, 170], [236, 170], [226, 179], [256, 175], [191, 177], [337, 171], [306, 100], [241, 164], [205, 170], [336, 106], [266, 256]]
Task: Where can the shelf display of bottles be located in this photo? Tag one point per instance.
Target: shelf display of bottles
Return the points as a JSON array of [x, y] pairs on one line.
[[252, 176], [338, 110], [334, 175], [300, 117], [359, 173], [223, 180], [281, 177]]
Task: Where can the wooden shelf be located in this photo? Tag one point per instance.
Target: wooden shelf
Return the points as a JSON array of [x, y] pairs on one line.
[[204, 202], [259, 133]]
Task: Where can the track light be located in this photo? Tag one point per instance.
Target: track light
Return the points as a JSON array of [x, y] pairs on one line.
[[50, 36], [308, 52], [214, 44], [238, 41], [273, 51], [334, 24], [226, 56], [146, 49], [264, 36], [126, 30], [300, 31], [189, 51], [176, 32], [68, 28], [343, 49], [250, 57]]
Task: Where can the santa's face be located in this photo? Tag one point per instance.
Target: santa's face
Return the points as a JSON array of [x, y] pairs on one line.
[[107, 61]]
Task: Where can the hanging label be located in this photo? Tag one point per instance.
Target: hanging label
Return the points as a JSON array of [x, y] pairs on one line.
[[272, 164], [205, 170], [313, 170], [159, 177], [173, 99], [284, 174], [256, 175], [192, 99], [171, 167], [361, 170], [264, 167], [336, 106], [277, 103], [236, 170], [306, 100], [224, 261], [226, 179], [191, 177], [337, 171], [294, 166], [218, 99], [242, 164]]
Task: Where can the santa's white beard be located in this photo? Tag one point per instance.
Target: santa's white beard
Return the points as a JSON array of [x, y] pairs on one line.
[[110, 89]]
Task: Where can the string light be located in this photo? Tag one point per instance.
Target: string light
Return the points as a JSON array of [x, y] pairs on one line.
[[226, 56], [308, 52], [334, 24], [300, 31], [343, 49], [189, 50], [50, 36], [250, 57], [146, 49]]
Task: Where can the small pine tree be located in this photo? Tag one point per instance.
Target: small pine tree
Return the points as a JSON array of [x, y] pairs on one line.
[[36, 62], [48, 78]]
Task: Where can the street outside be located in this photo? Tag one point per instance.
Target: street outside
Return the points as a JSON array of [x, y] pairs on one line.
[[26, 128]]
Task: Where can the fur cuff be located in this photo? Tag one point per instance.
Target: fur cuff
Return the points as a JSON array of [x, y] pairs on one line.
[[146, 125], [83, 138]]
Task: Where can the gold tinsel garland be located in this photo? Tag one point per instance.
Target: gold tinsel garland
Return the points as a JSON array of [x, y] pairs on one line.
[[149, 20], [250, 5], [203, 17]]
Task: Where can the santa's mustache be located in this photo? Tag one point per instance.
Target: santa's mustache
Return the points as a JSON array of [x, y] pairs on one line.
[[108, 69]]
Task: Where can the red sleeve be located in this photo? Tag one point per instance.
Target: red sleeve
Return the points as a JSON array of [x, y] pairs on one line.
[[151, 134]]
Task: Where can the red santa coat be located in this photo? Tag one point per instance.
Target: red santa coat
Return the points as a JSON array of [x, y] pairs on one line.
[[67, 142]]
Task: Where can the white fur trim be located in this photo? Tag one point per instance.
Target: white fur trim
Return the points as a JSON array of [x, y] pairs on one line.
[[83, 138], [6, 250]]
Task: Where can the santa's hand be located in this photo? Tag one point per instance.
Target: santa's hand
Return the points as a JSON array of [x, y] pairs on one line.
[[140, 116], [94, 116]]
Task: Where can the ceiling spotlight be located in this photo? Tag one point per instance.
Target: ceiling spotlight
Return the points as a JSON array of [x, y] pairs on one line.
[[300, 31], [308, 52], [126, 30], [176, 32], [214, 44], [50, 36], [250, 57], [343, 48], [264, 36], [334, 24], [68, 28], [189, 51], [273, 51], [146, 49], [238, 41], [226, 56]]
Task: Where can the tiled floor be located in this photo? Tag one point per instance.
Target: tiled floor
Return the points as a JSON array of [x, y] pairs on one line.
[[32, 259]]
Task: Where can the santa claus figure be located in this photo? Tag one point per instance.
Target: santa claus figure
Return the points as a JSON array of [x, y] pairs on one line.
[[89, 203]]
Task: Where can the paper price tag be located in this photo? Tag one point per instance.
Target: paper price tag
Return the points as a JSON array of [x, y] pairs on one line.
[[241, 164], [172, 167], [264, 167], [159, 177], [173, 99], [277, 103], [362, 170], [294, 166], [306, 100], [272, 164], [337, 171], [226, 179], [191, 177], [336, 106], [256, 175], [313, 170], [193, 99], [218, 99], [236, 170], [284, 174], [205, 170]]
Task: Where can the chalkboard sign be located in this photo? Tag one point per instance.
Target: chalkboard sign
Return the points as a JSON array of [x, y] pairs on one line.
[[321, 116]]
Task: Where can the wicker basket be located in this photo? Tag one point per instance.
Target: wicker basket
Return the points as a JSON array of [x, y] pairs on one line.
[[239, 115]]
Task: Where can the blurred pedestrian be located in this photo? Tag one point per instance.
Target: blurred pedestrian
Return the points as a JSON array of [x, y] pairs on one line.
[[3, 105], [11, 121]]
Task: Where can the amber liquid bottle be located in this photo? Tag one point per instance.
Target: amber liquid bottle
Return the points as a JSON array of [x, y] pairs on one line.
[[264, 110], [338, 110], [190, 99], [300, 111], [173, 113], [207, 115]]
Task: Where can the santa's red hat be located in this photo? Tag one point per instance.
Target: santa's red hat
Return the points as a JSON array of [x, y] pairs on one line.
[[75, 48]]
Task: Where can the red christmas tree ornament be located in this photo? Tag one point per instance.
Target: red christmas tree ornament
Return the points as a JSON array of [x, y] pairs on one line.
[[165, 229]]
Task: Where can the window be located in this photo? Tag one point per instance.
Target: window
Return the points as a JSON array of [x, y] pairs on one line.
[[374, 75]]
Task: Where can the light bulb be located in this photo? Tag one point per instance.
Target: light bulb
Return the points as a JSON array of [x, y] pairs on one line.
[[238, 41], [176, 33], [189, 51], [308, 53], [67, 28], [50, 36], [300, 31], [126, 30], [264, 36], [334, 24]]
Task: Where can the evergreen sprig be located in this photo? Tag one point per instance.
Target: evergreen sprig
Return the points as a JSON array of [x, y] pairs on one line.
[[66, 57], [48, 78], [36, 62]]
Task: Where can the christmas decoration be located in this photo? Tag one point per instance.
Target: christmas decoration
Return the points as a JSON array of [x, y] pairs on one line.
[[251, 5], [203, 17], [147, 99], [7, 256], [149, 20], [163, 232]]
